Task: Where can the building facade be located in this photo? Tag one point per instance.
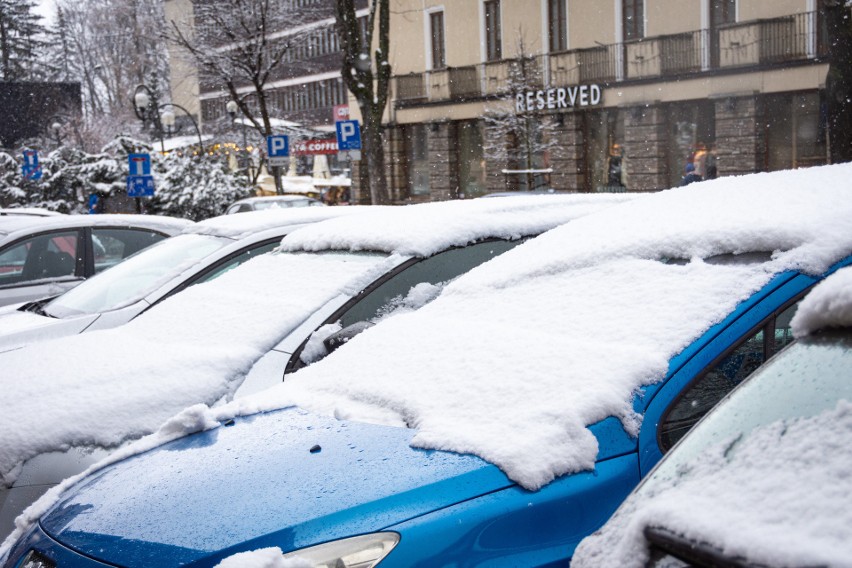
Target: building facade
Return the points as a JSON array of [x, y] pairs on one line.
[[600, 95]]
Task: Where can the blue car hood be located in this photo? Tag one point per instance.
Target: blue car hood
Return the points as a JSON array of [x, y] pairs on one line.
[[287, 478]]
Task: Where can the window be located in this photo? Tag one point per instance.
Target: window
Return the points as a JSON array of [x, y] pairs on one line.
[[633, 19], [111, 246], [493, 41], [722, 12], [53, 255], [389, 294], [417, 159], [235, 261], [718, 380], [436, 27], [557, 22]]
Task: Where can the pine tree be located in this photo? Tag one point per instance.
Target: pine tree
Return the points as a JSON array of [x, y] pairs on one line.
[[20, 41]]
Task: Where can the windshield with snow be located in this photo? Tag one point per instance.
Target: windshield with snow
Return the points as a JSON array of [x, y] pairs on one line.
[[136, 277]]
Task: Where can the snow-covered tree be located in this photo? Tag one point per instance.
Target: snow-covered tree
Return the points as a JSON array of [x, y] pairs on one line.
[[21, 41], [517, 137], [238, 44], [368, 82]]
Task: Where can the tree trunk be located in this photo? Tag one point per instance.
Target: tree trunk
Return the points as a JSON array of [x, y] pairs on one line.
[[838, 85]]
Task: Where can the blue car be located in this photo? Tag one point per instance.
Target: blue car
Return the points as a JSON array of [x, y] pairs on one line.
[[663, 305]]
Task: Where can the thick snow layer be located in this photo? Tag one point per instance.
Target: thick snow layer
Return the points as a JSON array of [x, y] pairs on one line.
[[425, 229], [829, 304], [777, 497], [243, 224], [105, 387], [517, 357]]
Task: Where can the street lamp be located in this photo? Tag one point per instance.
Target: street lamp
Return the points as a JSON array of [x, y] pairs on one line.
[[232, 107], [147, 107]]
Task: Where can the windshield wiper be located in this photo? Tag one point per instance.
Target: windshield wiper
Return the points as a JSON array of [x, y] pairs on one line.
[[37, 307], [666, 543]]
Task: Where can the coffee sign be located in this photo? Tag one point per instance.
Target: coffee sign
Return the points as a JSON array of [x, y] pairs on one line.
[[556, 98]]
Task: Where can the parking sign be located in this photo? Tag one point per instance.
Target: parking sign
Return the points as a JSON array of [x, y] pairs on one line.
[[348, 135], [278, 149]]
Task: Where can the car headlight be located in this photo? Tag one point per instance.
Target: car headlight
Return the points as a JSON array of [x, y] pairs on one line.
[[36, 560], [357, 552]]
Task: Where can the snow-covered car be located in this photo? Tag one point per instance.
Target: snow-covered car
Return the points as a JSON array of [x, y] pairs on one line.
[[46, 255], [763, 479], [201, 252], [272, 202], [499, 424], [235, 334]]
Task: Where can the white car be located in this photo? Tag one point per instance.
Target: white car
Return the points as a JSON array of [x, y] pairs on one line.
[[286, 308], [272, 202], [46, 255], [200, 253], [31, 211]]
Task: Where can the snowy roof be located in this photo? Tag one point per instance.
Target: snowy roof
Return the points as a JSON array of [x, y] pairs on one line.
[[424, 229], [13, 223], [207, 337], [527, 350], [242, 224], [828, 305]]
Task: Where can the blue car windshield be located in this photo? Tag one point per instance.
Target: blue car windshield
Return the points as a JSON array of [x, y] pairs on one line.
[[136, 277], [807, 378]]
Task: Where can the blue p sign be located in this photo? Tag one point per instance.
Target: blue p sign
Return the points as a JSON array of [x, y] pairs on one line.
[[277, 146], [348, 135]]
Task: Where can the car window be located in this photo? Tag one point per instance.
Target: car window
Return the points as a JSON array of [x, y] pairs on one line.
[[720, 378], [40, 257], [381, 298], [111, 246], [233, 262]]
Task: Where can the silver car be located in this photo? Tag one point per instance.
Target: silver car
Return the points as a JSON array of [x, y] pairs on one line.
[[45, 256]]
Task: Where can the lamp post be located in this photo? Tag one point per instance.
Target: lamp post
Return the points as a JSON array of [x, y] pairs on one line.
[[232, 110], [147, 107]]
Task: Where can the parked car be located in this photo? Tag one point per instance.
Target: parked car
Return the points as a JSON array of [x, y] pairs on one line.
[[45, 256], [763, 479], [331, 280], [33, 211], [273, 202], [201, 252], [497, 425]]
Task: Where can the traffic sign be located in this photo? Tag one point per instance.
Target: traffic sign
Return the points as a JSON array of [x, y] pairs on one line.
[[348, 135], [31, 169], [139, 164], [278, 149], [140, 186]]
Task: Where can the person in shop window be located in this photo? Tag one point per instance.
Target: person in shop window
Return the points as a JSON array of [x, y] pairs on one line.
[[699, 160], [616, 167], [710, 164], [690, 175]]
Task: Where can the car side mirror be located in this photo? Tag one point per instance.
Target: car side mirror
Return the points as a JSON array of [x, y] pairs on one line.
[[338, 338]]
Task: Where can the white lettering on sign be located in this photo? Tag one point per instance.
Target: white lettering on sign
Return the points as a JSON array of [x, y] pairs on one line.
[[558, 98]]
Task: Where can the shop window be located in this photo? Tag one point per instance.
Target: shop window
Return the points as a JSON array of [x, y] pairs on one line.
[[493, 38], [557, 25], [633, 19], [416, 142], [436, 26], [604, 130], [691, 134], [471, 162], [794, 131]]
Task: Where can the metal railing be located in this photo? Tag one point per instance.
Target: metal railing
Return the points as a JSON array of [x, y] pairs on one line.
[[755, 43]]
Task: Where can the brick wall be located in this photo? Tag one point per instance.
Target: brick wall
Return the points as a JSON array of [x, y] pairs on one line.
[[567, 157], [740, 147], [645, 141]]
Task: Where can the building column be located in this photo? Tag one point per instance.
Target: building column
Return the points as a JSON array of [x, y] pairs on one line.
[[567, 155], [442, 158], [740, 147], [395, 163], [495, 179], [645, 145]]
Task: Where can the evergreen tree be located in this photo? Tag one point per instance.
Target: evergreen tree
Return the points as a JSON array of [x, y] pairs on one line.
[[20, 41]]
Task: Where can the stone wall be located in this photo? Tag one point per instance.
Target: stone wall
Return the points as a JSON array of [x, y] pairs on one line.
[[740, 147], [567, 157], [645, 141]]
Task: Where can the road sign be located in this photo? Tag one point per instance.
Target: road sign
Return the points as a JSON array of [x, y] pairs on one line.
[[341, 112], [31, 169], [348, 135], [139, 164], [278, 150], [140, 186]]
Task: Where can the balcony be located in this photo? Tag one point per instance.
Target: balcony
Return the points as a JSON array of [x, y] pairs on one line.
[[755, 44]]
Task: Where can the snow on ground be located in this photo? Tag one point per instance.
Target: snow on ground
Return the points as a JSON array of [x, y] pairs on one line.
[[777, 497], [829, 304], [517, 357], [105, 387]]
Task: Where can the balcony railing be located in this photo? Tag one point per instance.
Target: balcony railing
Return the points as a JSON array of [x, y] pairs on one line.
[[748, 44]]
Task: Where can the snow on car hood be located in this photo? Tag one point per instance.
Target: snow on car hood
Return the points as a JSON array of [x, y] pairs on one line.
[[515, 359], [104, 387]]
